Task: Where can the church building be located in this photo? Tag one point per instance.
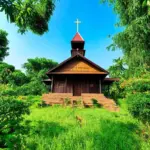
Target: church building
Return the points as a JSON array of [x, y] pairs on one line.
[[78, 75]]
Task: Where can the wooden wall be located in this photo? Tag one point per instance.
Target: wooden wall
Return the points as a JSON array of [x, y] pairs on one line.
[[67, 84], [76, 66]]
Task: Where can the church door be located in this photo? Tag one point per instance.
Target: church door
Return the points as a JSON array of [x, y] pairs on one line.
[[77, 89]]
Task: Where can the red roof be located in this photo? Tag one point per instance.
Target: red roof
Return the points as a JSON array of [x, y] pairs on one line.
[[78, 37]]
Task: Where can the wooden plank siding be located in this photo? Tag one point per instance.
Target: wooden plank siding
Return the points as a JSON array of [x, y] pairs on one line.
[[76, 66], [78, 84]]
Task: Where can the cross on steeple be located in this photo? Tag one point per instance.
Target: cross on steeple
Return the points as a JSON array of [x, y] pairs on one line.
[[77, 22]]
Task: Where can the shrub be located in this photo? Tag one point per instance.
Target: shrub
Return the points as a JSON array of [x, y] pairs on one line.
[[96, 104], [67, 101], [12, 131], [77, 102], [32, 88], [136, 85], [139, 106], [18, 78], [7, 90]]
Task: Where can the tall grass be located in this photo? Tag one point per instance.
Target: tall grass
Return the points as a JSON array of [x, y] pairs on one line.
[[56, 128]]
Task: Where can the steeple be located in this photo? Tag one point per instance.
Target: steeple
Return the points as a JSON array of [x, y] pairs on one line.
[[78, 38], [77, 43]]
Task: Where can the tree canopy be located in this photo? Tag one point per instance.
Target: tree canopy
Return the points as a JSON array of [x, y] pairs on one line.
[[31, 15], [8, 75], [37, 67], [134, 40], [15, 82], [3, 45], [118, 69]]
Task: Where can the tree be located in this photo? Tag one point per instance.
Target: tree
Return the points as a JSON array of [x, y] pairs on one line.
[[3, 45], [38, 67], [118, 69], [12, 131], [31, 15], [18, 78], [8, 74], [5, 72], [134, 40], [36, 70]]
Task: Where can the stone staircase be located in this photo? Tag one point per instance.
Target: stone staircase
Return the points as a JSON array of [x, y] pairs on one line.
[[85, 98], [55, 98], [107, 103]]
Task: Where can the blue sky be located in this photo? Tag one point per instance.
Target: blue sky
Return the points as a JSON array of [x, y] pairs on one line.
[[98, 21]]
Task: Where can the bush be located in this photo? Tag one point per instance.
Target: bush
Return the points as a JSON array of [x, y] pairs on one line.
[[18, 78], [67, 101], [115, 92], [32, 88], [96, 104], [136, 85], [12, 132], [7, 90], [139, 106]]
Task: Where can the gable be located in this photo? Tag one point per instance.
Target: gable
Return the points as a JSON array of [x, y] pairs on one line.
[[78, 64]]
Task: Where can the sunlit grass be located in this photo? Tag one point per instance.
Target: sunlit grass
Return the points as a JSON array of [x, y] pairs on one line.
[[56, 128]]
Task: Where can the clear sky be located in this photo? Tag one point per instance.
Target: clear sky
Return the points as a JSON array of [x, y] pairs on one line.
[[98, 21]]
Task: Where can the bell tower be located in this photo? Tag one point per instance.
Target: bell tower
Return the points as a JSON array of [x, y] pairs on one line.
[[77, 43]]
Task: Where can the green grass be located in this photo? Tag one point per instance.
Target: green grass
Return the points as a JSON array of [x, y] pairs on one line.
[[56, 128]]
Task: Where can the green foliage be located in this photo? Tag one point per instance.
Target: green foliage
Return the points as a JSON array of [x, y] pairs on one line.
[[77, 102], [8, 75], [18, 78], [3, 45], [31, 15], [5, 72], [137, 92], [116, 92], [35, 87], [141, 85], [137, 85], [117, 70], [38, 66], [7, 90], [11, 116], [67, 101], [139, 106], [32, 88], [6, 66], [36, 70], [126, 87], [25, 84], [134, 40], [95, 103], [101, 130]]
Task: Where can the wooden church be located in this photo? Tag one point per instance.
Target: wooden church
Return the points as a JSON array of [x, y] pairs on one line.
[[77, 76]]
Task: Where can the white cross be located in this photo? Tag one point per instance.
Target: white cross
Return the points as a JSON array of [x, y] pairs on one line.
[[77, 22]]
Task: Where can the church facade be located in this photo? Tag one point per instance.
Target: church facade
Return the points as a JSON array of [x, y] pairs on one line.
[[77, 74]]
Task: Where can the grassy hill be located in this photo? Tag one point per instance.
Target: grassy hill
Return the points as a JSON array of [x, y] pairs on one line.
[[56, 128]]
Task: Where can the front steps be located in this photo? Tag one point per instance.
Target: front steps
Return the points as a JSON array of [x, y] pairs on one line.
[[85, 98]]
